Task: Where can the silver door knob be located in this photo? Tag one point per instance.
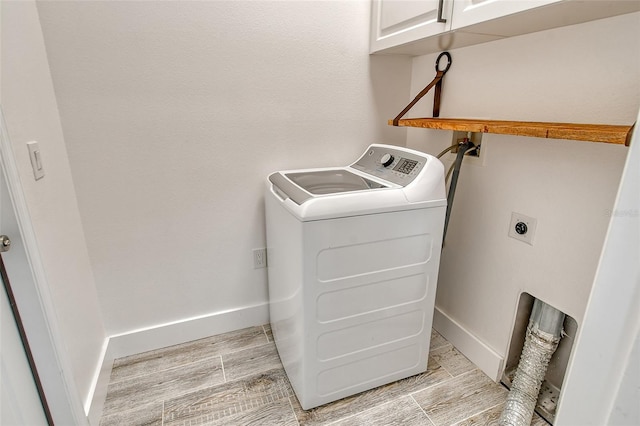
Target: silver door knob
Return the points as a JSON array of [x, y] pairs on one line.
[[5, 243]]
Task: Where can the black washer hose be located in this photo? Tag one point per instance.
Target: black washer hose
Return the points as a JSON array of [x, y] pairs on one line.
[[463, 147]]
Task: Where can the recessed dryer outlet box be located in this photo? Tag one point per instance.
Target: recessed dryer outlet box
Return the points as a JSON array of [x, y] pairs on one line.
[[473, 156], [522, 227]]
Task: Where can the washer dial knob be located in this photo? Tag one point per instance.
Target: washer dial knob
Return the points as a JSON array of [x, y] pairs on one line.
[[386, 160]]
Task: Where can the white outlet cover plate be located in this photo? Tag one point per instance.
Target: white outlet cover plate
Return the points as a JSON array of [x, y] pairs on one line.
[[259, 258], [531, 227]]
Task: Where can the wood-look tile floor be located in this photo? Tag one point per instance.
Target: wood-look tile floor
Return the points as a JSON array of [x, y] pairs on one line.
[[237, 379]]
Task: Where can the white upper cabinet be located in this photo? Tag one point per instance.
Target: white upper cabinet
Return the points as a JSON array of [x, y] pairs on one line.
[[413, 27], [396, 22], [469, 12]]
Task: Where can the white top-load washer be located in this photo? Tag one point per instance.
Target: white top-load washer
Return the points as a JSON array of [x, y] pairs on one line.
[[353, 256]]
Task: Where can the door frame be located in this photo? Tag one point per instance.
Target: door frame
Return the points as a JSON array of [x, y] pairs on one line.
[[22, 337], [38, 310]]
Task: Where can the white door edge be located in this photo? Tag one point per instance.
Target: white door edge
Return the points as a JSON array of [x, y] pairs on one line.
[[59, 386]]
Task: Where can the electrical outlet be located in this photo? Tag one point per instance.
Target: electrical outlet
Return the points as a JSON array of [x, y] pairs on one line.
[[522, 227], [259, 258]]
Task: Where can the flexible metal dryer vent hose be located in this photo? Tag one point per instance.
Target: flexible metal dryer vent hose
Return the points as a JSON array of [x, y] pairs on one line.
[[543, 335]]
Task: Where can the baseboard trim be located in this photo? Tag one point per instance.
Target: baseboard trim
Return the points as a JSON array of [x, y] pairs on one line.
[[487, 360], [100, 385], [169, 334]]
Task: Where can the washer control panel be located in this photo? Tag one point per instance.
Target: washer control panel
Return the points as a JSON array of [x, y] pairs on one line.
[[391, 164]]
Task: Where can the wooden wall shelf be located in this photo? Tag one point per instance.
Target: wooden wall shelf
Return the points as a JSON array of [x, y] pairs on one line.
[[581, 132]]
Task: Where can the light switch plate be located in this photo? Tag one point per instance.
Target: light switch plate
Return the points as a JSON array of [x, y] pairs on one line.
[[36, 159]]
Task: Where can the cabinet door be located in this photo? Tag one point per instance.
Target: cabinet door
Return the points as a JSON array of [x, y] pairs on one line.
[[396, 22], [469, 12]]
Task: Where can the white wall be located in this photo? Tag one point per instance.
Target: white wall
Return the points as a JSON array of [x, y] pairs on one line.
[[587, 73], [175, 112], [31, 113]]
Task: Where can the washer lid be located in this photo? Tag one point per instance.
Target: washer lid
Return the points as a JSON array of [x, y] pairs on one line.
[[321, 182], [332, 181], [385, 179]]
